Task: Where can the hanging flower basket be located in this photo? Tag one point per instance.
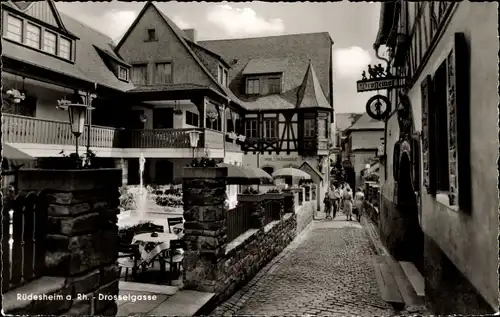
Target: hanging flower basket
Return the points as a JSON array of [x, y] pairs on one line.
[[212, 116], [15, 95], [177, 111], [143, 118]]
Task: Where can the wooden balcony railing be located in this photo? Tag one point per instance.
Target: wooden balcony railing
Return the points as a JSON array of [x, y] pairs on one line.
[[22, 129], [238, 221]]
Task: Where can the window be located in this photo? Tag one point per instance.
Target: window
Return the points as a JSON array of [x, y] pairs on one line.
[[441, 115], [192, 118], [323, 128], [139, 74], [14, 29], [122, 73], [253, 86], [270, 128], [309, 129], [49, 42], [151, 35], [163, 73], [224, 78], [220, 74], [33, 33], [64, 48], [251, 130], [274, 84]]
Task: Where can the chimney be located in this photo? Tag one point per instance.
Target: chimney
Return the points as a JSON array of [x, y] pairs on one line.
[[190, 34]]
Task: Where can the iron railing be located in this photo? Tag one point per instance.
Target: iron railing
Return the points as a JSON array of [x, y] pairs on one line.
[[23, 230], [238, 220]]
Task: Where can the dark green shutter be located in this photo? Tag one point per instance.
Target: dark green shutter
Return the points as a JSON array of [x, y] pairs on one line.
[[429, 136]]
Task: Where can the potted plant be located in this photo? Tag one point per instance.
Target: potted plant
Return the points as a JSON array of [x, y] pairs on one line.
[[274, 194], [250, 195]]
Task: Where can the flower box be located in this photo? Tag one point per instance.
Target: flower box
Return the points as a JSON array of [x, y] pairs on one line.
[[250, 197], [205, 172], [273, 196]]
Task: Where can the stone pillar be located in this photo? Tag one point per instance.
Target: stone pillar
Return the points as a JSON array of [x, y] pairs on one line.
[[257, 207], [204, 195], [82, 234], [289, 202]]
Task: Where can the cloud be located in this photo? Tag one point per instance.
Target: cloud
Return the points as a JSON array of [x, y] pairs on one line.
[[182, 24], [243, 22], [113, 23], [350, 62]]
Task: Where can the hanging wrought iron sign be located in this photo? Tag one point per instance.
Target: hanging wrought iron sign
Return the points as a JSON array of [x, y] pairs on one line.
[[378, 107], [379, 78]]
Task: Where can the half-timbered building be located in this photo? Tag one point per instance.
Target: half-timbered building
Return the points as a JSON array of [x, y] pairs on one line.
[[439, 207], [260, 101]]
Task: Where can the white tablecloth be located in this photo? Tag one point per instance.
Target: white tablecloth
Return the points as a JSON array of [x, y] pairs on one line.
[[161, 243]]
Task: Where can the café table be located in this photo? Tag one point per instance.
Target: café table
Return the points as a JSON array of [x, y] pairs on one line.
[[150, 245]]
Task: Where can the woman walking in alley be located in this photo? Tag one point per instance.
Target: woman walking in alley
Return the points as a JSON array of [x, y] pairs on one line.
[[359, 199], [336, 200], [347, 197]]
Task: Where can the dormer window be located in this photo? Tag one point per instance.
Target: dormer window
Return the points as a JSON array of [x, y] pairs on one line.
[[253, 86], [49, 42], [33, 33], [274, 84], [151, 35], [38, 37], [14, 29], [64, 48], [122, 73]]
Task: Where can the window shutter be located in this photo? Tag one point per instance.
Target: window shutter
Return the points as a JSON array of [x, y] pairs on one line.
[[416, 161], [428, 136], [459, 126]]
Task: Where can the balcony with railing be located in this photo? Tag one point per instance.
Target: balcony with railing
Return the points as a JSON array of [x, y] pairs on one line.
[[23, 129]]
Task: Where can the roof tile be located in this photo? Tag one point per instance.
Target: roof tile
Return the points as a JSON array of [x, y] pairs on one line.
[[265, 66], [310, 94]]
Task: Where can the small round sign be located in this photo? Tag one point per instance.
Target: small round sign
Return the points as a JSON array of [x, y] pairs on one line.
[[378, 107]]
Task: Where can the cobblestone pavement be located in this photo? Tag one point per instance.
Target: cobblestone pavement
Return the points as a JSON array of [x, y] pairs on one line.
[[326, 271]]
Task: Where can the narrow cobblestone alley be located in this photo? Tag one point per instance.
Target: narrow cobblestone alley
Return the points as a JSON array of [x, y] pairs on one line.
[[327, 271]]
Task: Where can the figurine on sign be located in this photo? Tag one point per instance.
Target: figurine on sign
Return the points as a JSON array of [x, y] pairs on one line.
[[372, 72], [363, 75], [379, 71]]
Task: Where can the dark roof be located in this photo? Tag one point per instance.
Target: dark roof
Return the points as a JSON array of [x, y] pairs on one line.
[[88, 63], [265, 66], [167, 87], [310, 94], [315, 170], [200, 49], [386, 23], [298, 49], [344, 120], [365, 122]]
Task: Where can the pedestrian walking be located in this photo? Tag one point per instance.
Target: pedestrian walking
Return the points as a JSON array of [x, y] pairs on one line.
[[336, 201], [341, 191], [348, 202], [359, 199], [328, 204]]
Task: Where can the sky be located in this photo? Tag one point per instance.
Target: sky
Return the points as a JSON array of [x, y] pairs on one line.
[[352, 26]]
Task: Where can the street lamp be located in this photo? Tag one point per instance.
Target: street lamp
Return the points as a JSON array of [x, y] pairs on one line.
[[77, 109], [194, 137]]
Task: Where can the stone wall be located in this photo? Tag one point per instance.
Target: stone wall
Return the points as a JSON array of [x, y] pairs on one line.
[[82, 206], [212, 264]]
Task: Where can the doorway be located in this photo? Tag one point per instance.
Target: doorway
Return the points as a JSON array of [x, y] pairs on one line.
[[412, 247], [163, 118], [164, 172]]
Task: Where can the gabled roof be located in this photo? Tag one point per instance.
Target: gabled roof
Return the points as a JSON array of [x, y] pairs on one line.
[[312, 168], [310, 94], [365, 122], [181, 36], [88, 63], [265, 66], [298, 49]]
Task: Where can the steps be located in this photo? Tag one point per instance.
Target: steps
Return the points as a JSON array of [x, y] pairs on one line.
[[400, 283]]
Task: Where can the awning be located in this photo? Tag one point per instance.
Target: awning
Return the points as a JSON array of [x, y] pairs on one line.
[[239, 175], [291, 172], [11, 153]]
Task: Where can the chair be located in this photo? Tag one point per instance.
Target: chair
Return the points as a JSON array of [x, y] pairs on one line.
[[128, 258], [175, 256], [173, 222]]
